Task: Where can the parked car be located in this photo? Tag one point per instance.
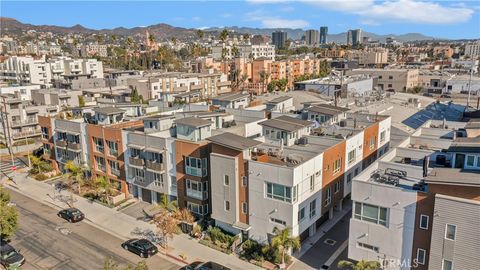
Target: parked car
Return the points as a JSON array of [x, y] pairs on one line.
[[205, 266], [9, 257], [445, 96], [141, 247], [71, 215]]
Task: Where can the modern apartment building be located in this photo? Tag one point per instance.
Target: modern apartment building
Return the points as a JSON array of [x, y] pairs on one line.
[[370, 58], [354, 37], [399, 80], [293, 175], [245, 51], [407, 204], [24, 90], [472, 50]]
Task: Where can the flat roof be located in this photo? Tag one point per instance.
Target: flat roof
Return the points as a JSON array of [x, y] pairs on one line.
[[279, 99], [230, 97], [286, 123], [159, 116], [108, 110], [464, 144], [233, 141], [193, 122], [327, 109], [453, 176]]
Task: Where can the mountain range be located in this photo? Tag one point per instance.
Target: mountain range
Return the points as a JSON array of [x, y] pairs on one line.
[[164, 31]]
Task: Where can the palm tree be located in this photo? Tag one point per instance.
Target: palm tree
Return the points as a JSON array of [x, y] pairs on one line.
[[200, 34], [76, 174], [103, 185], [243, 79], [283, 242], [223, 35], [263, 78], [246, 36], [361, 265]]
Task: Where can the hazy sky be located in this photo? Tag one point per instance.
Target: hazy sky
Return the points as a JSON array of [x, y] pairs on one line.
[[443, 19]]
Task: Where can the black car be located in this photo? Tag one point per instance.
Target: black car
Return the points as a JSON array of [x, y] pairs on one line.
[[9, 257], [205, 266], [141, 247], [445, 96], [71, 215]]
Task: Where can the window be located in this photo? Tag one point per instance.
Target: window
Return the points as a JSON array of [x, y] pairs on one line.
[[100, 163], [312, 183], [372, 143], [351, 156], [157, 180], [46, 148], [337, 164], [196, 166], [447, 265], [450, 231], [112, 148], [197, 209], [336, 187], [356, 171], [370, 213], [382, 136], [98, 144], [135, 153], [389, 85], [138, 174], [278, 221], [313, 208], [281, 192], [301, 214], [424, 222], [244, 207], [470, 161], [328, 196], [45, 133], [421, 254], [390, 77], [226, 180], [244, 181], [197, 190], [227, 206], [349, 178], [114, 167], [367, 246]]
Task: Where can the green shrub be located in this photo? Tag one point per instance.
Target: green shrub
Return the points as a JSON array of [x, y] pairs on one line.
[[252, 250], [41, 177], [217, 234]]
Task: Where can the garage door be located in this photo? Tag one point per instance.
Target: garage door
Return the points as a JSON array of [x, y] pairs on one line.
[[146, 195]]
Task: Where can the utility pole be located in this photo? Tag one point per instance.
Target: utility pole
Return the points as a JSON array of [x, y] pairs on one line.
[[6, 130]]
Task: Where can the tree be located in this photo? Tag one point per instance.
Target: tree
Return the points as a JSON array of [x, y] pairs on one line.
[[223, 35], [184, 215], [200, 33], [174, 40], [283, 242], [246, 36], [167, 226], [361, 265], [263, 78], [134, 97], [76, 174], [8, 216], [104, 186], [81, 101], [39, 165]]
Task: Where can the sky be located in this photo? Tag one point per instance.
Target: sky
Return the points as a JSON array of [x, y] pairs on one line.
[[441, 19]]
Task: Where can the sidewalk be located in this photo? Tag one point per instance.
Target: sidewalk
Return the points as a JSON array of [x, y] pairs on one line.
[[121, 225]]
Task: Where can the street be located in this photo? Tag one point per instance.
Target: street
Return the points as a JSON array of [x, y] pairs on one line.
[[42, 241]]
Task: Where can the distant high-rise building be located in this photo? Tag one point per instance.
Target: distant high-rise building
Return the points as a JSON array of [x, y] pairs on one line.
[[279, 38], [323, 34], [312, 37], [354, 37]]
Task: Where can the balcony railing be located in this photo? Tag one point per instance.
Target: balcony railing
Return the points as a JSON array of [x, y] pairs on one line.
[[195, 171], [101, 168], [25, 134], [74, 146], [154, 166], [61, 143], [24, 123], [139, 179], [195, 194], [115, 172], [136, 161]]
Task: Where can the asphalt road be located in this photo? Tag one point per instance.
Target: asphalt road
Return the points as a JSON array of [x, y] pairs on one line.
[[85, 247]]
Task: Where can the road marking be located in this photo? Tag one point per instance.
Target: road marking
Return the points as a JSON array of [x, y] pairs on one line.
[[336, 253]]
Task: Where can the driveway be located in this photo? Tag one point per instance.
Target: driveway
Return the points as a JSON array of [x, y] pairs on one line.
[[139, 210]]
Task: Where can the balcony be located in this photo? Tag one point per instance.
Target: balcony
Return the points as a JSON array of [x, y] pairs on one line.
[[136, 161], [195, 194], [74, 146], [24, 123], [154, 166], [101, 168], [195, 171], [61, 143], [115, 172], [26, 134]]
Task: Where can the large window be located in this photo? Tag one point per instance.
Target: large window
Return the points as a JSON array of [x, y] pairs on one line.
[[371, 213], [114, 167], [372, 142], [196, 166], [337, 165], [158, 180], [450, 231], [301, 214], [197, 209], [98, 144], [100, 163], [112, 148], [328, 196], [281, 192], [197, 190], [351, 156], [382, 136], [45, 133], [135, 153], [313, 208], [312, 183]]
